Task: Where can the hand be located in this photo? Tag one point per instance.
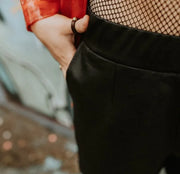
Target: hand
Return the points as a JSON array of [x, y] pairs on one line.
[[56, 34]]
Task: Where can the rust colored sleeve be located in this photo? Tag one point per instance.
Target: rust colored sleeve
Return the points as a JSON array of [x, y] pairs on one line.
[[35, 10], [73, 8]]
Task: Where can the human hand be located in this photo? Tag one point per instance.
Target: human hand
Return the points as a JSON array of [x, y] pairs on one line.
[[56, 34]]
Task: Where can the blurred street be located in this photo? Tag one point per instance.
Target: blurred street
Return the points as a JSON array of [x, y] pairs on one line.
[[36, 131], [26, 147]]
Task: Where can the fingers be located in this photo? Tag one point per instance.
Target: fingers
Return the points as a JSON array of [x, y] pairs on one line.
[[82, 24], [65, 24]]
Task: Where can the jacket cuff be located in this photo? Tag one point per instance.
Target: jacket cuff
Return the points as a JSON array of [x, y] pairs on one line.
[[35, 10]]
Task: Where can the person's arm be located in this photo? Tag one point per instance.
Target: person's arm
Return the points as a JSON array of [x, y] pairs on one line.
[[53, 29]]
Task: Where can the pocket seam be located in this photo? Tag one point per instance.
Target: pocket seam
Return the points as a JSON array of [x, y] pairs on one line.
[[71, 63], [128, 66]]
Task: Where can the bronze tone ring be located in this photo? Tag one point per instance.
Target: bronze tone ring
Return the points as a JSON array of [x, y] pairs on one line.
[[73, 22]]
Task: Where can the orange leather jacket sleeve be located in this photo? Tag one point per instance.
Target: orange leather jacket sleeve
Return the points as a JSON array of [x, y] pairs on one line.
[[35, 10]]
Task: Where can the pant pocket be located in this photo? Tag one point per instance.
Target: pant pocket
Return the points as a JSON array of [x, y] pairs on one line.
[[145, 109], [90, 82], [146, 92], [68, 72]]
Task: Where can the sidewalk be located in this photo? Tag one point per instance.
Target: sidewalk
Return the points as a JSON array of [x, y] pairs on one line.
[[29, 148]]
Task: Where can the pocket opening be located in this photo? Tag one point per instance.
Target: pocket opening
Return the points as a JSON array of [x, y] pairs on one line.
[[72, 61]]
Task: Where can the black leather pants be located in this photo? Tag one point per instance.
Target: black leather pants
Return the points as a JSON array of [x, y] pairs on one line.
[[125, 85]]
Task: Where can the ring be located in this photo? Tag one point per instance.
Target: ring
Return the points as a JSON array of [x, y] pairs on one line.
[[73, 22]]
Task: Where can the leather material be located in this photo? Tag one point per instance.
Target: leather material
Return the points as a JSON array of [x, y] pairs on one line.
[[35, 10], [125, 87]]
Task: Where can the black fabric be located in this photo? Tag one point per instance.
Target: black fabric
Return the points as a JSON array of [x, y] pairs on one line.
[[125, 87], [172, 164]]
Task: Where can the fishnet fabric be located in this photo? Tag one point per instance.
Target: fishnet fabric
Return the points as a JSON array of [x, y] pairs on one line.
[[161, 16]]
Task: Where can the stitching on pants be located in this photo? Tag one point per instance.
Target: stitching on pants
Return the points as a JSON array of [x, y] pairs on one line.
[[128, 66]]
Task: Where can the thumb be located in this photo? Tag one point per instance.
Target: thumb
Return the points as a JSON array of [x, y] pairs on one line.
[[82, 24]]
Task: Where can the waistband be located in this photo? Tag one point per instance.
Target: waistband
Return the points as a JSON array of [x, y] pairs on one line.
[[133, 47]]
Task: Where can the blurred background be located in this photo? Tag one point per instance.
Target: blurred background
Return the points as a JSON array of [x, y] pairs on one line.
[[36, 130]]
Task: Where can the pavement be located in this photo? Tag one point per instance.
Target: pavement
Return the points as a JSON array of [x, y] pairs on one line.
[[33, 146], [26, 147]]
